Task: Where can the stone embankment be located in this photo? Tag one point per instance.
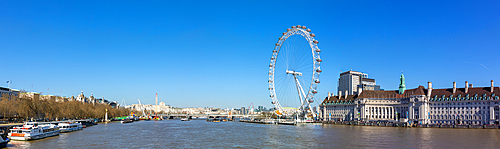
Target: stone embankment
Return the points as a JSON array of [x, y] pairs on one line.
[[406, 124]]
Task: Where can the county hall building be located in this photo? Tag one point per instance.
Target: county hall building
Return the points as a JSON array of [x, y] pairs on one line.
[[468, 105]]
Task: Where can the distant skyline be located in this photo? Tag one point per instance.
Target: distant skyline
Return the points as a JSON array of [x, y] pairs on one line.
[[216, 53]]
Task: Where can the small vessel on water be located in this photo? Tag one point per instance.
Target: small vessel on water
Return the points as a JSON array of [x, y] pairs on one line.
[[213, 120], [127, 121], [70, 126], [33, 130], [185, 119]]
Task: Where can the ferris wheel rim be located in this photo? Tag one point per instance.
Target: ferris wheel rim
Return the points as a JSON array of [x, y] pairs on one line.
[[313, 44]]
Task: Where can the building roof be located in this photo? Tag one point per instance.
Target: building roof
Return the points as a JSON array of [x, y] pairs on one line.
[[350, 98], [389, 93], [480, 91], [420, 90], [351, 72]]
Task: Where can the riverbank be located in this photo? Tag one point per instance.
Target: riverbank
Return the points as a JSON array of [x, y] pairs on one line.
[[405, 124]]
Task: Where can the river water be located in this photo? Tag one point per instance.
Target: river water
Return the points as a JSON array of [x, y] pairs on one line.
[[202, 134]]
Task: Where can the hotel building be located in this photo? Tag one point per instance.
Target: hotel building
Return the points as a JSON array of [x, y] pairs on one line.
[[468, 105]]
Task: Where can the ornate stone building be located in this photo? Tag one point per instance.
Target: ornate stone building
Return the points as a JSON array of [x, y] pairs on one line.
[[468, 105], [81, 98]]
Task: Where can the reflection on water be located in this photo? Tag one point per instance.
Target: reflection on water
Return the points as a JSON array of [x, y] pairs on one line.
[[202, 134]]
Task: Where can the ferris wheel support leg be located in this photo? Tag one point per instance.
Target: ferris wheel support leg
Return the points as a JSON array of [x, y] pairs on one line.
[[312, 111], [300, 91]]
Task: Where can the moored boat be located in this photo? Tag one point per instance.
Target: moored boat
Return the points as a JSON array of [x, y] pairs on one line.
[[32, 131], [70, 126], [184, 119], [50, 130], [127, 121]]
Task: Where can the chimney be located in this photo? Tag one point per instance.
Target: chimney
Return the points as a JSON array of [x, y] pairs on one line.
[[470, 85], [429, 89], [346, 94], [328, 95], [454, 87], [340, 94], [466, 87], [492, 87]]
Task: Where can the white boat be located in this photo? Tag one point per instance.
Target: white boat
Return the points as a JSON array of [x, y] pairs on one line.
[[33, 130], [184, 119], [70, 126], [50, 130]]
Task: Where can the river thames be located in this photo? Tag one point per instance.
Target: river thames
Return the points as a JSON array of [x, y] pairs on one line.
[[202, 134]]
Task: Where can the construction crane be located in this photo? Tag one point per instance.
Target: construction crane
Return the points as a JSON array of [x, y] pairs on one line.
[[123, 103], [142, 108], [251, 111]]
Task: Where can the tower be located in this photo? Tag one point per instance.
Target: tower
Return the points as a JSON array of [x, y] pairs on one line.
[[402, 86]]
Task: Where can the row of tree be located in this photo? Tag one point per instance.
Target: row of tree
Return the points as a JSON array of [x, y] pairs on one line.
[[26, 107]]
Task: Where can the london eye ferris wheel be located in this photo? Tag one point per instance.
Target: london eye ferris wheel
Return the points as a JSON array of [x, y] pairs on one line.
[[294, 71]]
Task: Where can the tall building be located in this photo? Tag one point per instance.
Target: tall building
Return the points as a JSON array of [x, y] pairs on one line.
[[243, 111], [260, 108], [353, 81]]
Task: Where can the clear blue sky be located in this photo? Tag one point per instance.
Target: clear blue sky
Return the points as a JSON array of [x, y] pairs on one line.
[[216, 53]]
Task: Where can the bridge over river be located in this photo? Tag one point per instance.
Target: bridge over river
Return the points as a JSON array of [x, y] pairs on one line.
[[208, 115]]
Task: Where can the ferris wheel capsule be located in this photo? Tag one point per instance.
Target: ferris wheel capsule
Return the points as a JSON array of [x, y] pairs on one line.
[[283, 33], [277, 44], [319, 60], [312, 35], [318, 70], [308, 30], [270, 65], [272, 58], [316, 42], [304, 27], [274, 51], [299, 26], [293, 27], [288, 29], [311, 101], [318, 50], [314, 91], [316, 81]]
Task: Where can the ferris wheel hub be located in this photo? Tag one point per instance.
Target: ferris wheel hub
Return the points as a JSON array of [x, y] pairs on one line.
[[293, 72]]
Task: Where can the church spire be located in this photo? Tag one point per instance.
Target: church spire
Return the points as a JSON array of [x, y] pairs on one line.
[[402, 86]]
